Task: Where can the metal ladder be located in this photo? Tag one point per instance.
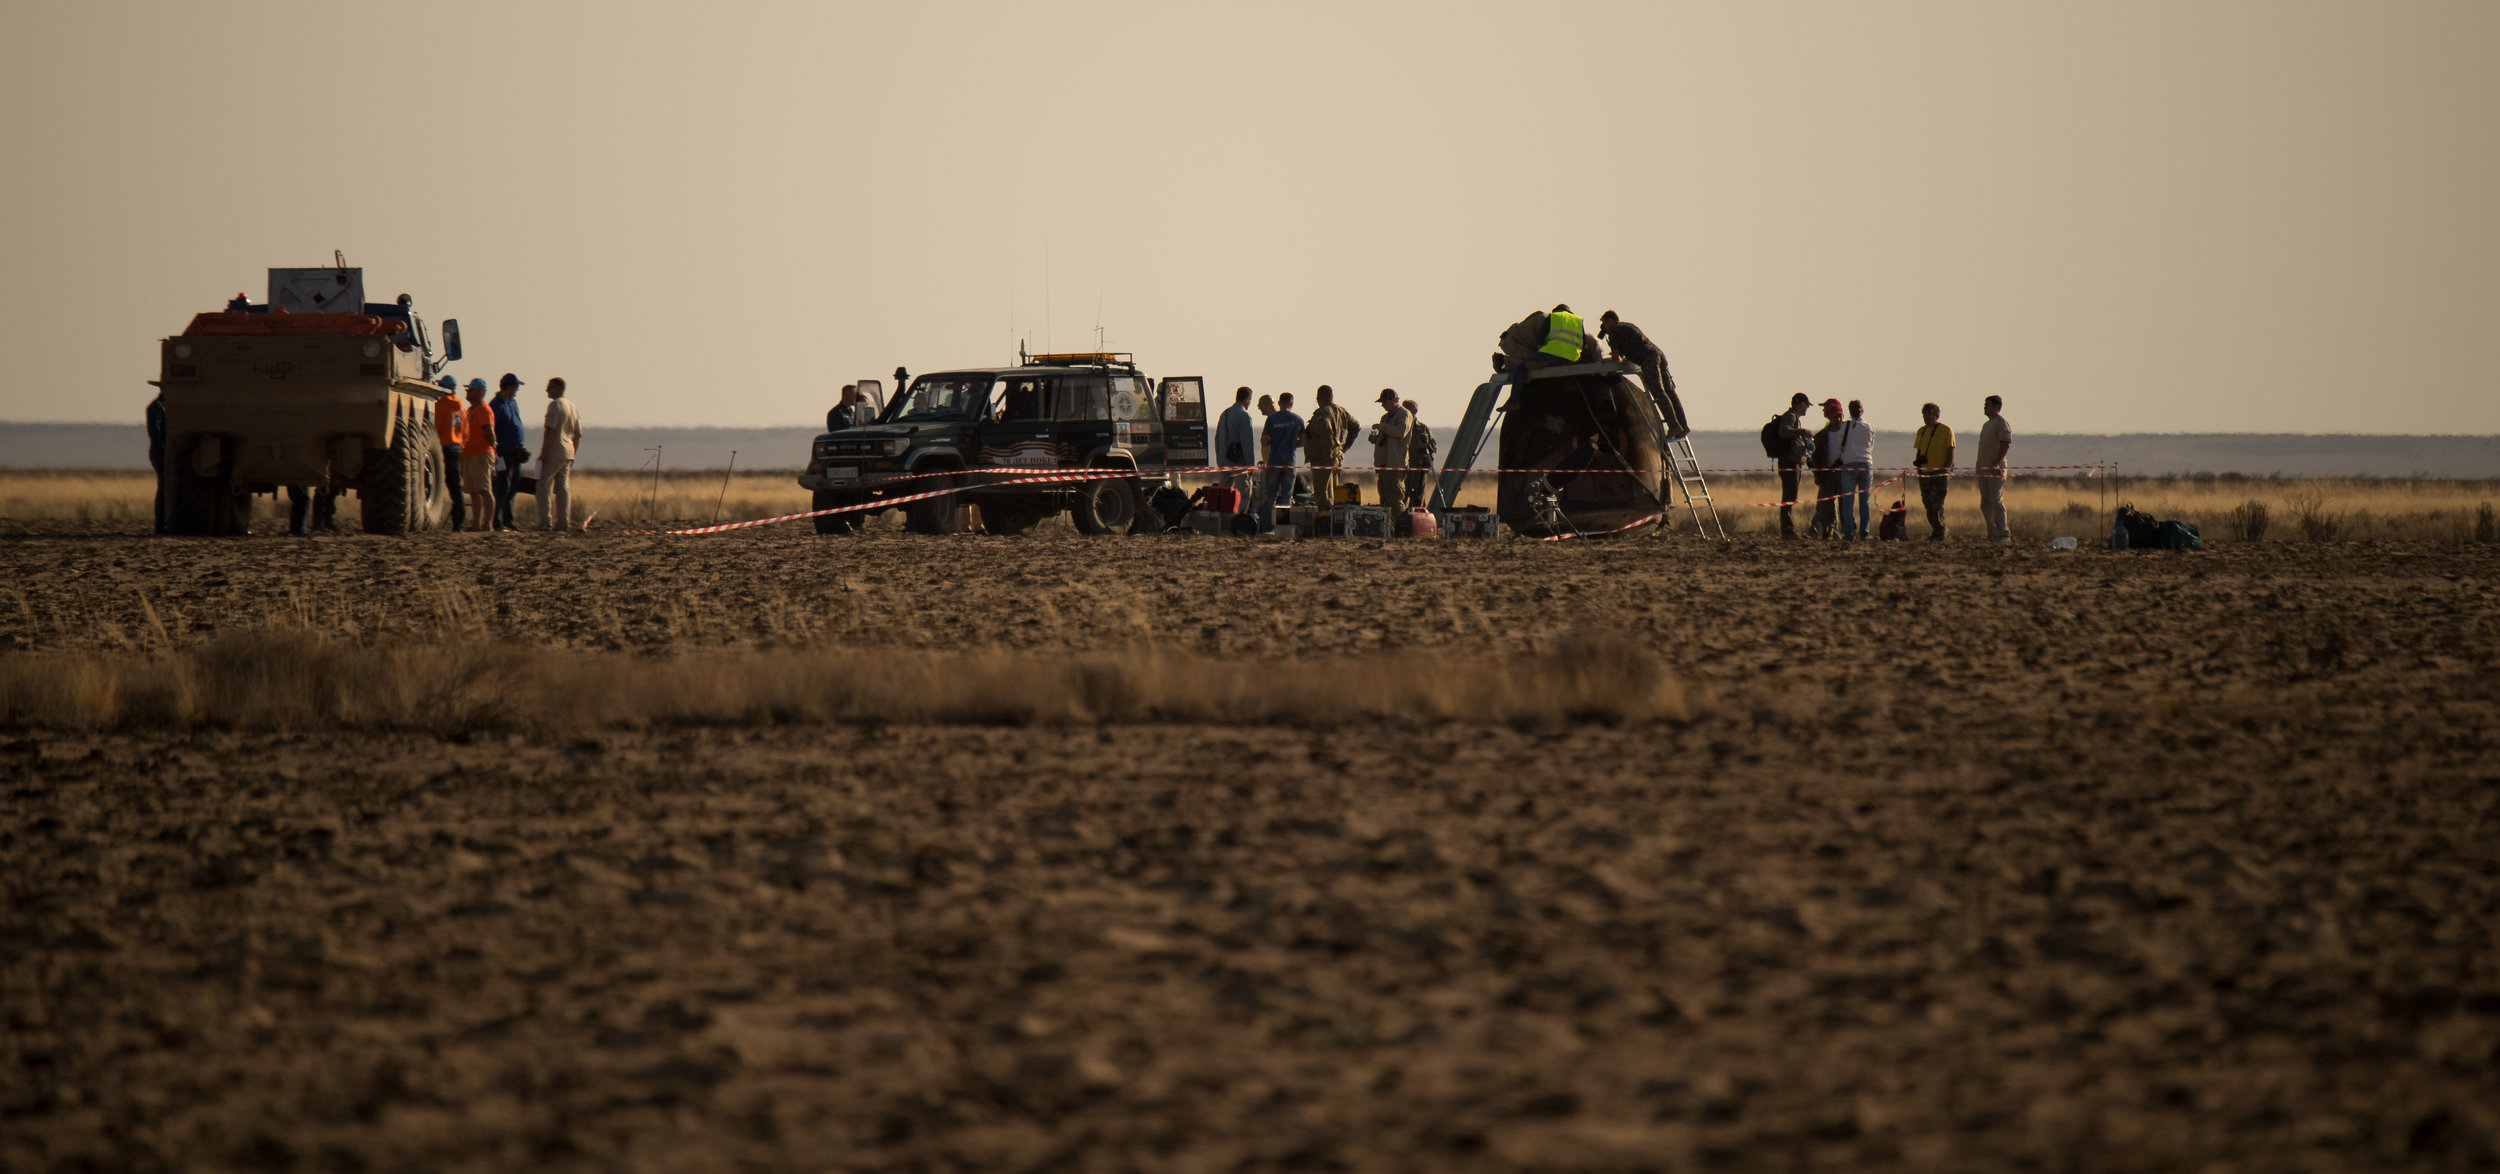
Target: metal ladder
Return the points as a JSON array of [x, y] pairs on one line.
[[1684, 468]]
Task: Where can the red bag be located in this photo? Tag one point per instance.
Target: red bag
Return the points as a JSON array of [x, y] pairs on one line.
[[1224, 499]]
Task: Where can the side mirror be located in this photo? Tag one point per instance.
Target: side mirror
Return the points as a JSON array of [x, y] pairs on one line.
[[451, 340]]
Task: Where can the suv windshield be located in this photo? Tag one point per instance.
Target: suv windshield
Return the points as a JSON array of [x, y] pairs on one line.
[[941, 397]]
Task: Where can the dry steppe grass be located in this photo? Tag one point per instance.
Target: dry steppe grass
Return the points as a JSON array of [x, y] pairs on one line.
[[288, 679], [2037, 507]]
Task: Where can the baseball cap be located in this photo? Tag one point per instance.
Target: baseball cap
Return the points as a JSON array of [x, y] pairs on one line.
[[1831, 405], [477, 385], [511, 380], [447, 383], [1388, 395]]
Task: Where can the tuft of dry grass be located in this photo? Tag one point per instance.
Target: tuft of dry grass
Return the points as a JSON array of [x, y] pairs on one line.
[[2037, 508], [288, 679]]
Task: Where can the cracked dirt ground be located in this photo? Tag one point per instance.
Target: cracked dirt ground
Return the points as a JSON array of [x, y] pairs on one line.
[[1970, 859]]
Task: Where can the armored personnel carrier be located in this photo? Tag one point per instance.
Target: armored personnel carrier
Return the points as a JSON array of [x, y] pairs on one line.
[[315, 389]]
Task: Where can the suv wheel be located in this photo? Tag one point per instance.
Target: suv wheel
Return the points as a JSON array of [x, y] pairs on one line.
[[1106, 507], [826, 499], [937, 515]]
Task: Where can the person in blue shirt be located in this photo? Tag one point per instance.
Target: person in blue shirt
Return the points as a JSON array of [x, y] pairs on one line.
[[1284, 435], [510, 444]]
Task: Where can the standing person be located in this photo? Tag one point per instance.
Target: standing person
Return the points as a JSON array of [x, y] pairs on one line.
[[563, 438], [1789, 446], [1267, 407], [1857, 476], [1996, 438], [451, 429], [477, 465], [156, 453], [510, 451], [1236, 441], [1283, 434], [1389, 440], [1420, 453], [1632, 346], [845, 413], [1324, 442], [1826, 465], [1932, 452]]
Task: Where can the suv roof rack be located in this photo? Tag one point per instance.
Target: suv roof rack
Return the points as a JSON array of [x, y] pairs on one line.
[[1082, 359]]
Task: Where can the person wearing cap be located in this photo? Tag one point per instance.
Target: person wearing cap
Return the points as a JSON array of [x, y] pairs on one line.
[[511, 447], [1826, 465], [1324, 441], [477, 461], [1389, 440], [1420, 452], [555, 459], [451, 428], [1631, 345]]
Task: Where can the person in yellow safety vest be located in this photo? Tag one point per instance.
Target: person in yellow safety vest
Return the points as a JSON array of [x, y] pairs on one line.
[[1566, 337]]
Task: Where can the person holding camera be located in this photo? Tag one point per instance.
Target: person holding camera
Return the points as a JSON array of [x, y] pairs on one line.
[[1931, 451]]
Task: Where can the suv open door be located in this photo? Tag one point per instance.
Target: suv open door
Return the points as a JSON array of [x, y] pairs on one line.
[[1183, 401]]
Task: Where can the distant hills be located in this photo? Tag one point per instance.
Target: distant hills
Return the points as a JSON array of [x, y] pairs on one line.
[[124, 446]]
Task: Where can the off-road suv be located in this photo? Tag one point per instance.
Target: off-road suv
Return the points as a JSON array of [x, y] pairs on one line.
[[984, 429]]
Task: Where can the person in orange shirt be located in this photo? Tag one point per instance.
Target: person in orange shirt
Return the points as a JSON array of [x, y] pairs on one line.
[[477, 460], [451, 427]]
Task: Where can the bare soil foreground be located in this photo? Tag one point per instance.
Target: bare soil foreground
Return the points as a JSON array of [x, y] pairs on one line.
[[1658, 855]]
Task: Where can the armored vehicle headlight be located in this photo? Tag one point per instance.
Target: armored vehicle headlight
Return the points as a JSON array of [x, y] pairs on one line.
[[896, 448], [182, 350], [373, 350]]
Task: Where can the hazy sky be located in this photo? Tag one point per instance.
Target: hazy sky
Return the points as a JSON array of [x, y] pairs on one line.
[[2170, 216]]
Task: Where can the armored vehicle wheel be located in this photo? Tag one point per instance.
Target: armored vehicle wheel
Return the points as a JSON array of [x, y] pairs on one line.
[[400, 482], [936, 515], [835, 523], [1105, 507], [203, 506], [1011, 517]]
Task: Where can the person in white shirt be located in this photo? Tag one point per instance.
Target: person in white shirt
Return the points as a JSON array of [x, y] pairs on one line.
[[555, 460], [1857, 475], [1996, 437]]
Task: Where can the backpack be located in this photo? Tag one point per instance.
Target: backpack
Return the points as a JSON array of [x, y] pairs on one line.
[[2178, 536], [1896, 523], [1774, 445], [2143, 529], [1172, 504]]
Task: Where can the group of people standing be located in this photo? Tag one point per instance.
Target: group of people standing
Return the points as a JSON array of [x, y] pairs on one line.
[[1402, 449], [1841, 458], [484, 452]]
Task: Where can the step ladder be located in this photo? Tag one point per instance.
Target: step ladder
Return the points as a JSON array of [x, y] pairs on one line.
[[1684, 471]]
